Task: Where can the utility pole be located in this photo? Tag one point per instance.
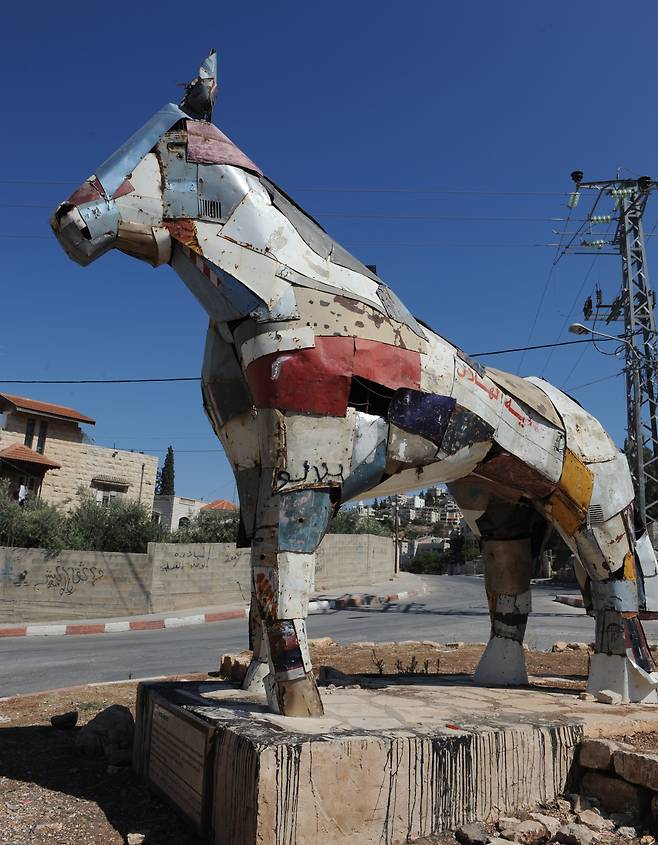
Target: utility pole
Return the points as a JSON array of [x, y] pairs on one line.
[[396, 526], [635, 306]]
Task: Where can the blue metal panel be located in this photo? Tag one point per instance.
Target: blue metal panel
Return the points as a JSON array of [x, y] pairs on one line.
[[230, 301], [421, 413], [179, 176], [464, 429], [118, 167], [303, 518], [366, 475]]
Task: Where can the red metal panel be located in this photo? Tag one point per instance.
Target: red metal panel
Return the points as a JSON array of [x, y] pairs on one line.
[[315, 380], [207, 145], [87, 192], [386, 364], [124, 188]]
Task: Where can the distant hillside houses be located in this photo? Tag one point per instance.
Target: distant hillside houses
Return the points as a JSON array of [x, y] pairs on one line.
[[435, 506]]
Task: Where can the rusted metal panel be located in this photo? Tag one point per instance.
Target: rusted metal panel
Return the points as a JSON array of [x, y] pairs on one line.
[[272, 438], [386, 364], [148, 243], [285, 652], [368, 454], [281, 340], [338, 314], [120, 165], [207, 145], [569, 503], [318, 451], [613, 542], [477, 393], [421, 413], [226, 394], [612, 490], [513, 472], [405, 449], [397, 311], [312, 380], [284, 586], [100, 216], [590, 554], [464, 428], [527, 393], [248, 483], [437, 367], [585, 435], [647, 556], [89, 191], [507, 565], [303, 519], [239, 438]]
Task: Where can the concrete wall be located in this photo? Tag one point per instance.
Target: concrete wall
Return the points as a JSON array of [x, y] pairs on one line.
[[38, 587]]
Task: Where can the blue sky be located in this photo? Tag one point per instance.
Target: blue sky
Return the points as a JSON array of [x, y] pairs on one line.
[[496, 102]]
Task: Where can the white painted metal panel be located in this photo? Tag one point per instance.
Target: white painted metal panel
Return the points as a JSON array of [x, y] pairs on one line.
[[407, 448], [586, 437], [318, 450], [290, 583], [239, 438], [369, 432], [144, 204], [527, 393], [437, 367], [613, 487], [454, 467], [301, 337], [647, 556], [471, 518], [477, 393], [258, 225], [528, 436], [256, 272], [613, 541]]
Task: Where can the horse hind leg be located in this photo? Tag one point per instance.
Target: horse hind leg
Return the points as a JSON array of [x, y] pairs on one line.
[[507, 571], [259, 667]]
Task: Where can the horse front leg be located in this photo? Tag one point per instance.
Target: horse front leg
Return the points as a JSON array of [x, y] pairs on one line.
[[289, 528], [260, 662]]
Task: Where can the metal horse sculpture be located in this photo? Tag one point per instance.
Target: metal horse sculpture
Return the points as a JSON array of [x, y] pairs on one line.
[[323, 388]]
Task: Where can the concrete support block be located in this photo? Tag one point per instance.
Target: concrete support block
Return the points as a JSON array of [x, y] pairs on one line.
[[616, 672], [502, 664]]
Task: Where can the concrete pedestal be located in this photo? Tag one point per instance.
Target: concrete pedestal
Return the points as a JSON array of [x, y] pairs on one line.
[[385, 764]]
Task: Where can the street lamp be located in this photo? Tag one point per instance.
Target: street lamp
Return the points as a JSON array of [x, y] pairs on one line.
[[579, 328]]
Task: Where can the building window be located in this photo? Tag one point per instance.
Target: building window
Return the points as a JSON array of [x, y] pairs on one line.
[[183, 522], [156, 517], [41, 439], [106, 494], [29, 433]]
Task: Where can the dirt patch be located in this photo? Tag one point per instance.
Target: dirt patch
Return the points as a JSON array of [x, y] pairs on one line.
[[50, 794]]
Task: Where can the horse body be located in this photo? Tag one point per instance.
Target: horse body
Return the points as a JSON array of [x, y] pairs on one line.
[[322, 388]]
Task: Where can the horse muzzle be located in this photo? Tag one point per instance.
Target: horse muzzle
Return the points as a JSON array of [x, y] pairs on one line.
[[86, 231]]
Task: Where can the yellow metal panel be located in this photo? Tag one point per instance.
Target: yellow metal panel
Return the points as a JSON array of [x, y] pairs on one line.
[[576, 481], [562, 510]]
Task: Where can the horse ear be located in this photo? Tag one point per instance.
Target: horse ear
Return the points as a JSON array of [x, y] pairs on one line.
[[200, 93]]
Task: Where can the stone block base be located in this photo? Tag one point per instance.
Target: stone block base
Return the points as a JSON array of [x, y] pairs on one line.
[[385, 764]]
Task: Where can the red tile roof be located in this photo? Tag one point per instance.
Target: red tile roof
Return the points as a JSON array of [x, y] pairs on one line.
[[22, 403], [220, 505], [17, 452]]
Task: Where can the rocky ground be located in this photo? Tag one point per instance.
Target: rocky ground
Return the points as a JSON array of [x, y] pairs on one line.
[[51, 791]]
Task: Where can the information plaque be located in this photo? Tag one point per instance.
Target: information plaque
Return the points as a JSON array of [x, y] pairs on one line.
[[179, 763]]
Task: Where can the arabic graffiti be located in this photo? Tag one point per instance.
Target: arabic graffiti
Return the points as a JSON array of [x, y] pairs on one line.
[[65, 579], [185, 559], [495, 395], [322, 474]]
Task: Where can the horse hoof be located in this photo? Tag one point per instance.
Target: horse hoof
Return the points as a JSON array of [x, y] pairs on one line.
[[299, 697], [256, 672], [502, 664]]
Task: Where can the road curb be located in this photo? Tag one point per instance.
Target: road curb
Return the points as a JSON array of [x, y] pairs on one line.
[[118, 626]]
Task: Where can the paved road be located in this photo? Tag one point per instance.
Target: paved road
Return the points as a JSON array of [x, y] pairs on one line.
[[454, 610]]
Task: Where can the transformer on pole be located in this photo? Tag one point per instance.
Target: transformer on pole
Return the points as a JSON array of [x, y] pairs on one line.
[[634, 305]]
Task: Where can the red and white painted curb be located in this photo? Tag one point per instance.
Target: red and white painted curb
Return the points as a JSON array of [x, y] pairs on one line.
[[76, 629], [572, 601]]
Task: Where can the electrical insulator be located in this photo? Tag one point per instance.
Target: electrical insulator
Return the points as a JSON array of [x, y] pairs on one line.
[[599, 298], [601, 218], [574, 196], [593, 244], [587, 308]]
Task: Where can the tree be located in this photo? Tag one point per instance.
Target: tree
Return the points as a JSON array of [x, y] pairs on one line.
[[349, 522], [123, 526], [164, 484]]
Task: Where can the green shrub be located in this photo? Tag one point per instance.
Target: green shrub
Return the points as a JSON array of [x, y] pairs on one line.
[[34, 524], [208, 527], [123, 526], [349, 522]]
